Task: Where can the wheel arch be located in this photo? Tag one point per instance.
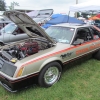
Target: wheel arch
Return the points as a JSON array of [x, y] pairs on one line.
[[54, 59]]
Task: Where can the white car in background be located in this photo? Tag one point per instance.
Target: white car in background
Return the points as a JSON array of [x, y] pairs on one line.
[[43, 16], [11, 33]]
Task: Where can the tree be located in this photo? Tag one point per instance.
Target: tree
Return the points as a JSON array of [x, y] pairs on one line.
[[77, 14], [2, 5], [13, 4]]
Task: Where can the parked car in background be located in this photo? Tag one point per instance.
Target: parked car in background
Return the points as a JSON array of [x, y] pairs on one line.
[[97, 23], [4, 23], [94, 22], [43, 16], [43, 56], [11, 33]]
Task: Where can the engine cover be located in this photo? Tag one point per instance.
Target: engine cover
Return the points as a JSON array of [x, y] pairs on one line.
[[29, 48]]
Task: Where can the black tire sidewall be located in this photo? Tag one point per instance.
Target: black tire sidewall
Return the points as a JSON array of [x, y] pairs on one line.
[[41, 80], [97, 55]]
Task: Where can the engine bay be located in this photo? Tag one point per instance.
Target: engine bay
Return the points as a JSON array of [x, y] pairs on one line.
[[20, 50]]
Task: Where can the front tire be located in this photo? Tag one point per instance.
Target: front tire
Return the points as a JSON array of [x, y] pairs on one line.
[[50, 74]]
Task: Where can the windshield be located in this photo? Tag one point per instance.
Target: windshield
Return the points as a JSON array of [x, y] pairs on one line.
[[61, 34], [8, 28]]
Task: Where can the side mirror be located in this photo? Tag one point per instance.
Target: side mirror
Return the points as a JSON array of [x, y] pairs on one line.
[[78, 42]]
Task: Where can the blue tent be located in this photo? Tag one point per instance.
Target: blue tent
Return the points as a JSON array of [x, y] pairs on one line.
[[62, 19], [55, 15]]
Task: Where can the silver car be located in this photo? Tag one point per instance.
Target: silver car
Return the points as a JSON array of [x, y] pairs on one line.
[[42, 57], [4, 23], [11, 33], [43, 16]]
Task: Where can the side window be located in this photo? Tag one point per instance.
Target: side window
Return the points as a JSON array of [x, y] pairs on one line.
[[19, 31], [96, 33], [83, 35]]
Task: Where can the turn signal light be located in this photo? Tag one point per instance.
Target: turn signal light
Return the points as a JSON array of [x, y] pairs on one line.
[[20, 72]]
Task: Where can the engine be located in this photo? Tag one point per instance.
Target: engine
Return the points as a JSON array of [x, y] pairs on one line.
[[27, 49], [19, 51]]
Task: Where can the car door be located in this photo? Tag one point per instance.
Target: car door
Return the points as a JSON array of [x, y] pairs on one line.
[[18, 37], [87, 43], [5, 37]]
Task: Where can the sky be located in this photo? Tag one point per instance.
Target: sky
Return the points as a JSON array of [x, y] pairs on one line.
[[59, 6]]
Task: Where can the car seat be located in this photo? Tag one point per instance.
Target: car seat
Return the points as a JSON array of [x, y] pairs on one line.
[[82, 35]]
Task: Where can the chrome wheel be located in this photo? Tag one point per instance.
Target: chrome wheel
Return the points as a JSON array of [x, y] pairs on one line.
[[51, 75]]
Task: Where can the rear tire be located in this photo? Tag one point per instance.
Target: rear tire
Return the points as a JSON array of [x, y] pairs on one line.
[[97, 55], [50, 74]]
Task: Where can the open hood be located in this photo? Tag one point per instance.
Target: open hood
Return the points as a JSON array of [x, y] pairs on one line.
[[27, 24]]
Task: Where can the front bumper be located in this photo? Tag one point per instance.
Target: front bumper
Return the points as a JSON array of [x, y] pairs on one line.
[[7, 88], [15, 85]]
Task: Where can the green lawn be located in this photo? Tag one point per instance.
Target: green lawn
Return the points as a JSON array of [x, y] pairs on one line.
[[81, 82]]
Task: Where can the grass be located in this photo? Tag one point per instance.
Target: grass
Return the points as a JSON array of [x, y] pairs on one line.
[[81, 82]]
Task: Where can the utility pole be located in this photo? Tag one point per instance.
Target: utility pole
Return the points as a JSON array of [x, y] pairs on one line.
[[76, 12], [76, 1]]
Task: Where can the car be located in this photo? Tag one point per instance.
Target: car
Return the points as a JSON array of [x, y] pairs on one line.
[[11, 33], [43, 16], [96, 23], [4, 21], [42, 57]]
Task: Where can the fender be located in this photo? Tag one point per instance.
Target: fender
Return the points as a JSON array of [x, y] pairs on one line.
[[49, 61]]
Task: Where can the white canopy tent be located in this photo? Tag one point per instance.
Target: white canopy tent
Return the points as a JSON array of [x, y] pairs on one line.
[[90, 6]]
